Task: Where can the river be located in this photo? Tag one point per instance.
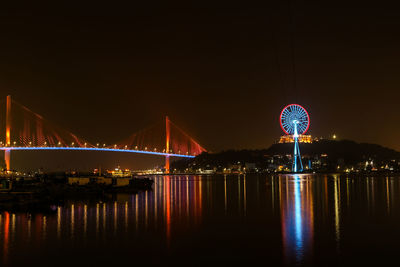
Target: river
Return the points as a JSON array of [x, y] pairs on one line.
[[225, 220]]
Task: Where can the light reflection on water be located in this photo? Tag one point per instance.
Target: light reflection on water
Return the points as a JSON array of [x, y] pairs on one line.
[[296, 205], [311, 213]]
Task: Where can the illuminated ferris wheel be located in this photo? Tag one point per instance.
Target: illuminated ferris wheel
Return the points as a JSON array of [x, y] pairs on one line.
[[294, 120], [294, 116]]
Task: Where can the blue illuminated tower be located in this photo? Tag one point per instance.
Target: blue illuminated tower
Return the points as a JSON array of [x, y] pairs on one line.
[[295, 121], [297, 165]]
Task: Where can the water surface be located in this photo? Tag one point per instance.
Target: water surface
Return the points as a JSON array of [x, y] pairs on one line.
[[199, 220]]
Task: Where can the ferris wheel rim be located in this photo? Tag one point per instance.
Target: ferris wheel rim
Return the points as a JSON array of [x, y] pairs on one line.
[[280, 118]]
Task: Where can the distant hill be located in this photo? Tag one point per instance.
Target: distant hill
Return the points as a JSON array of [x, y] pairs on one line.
[[347, 151], [350, 151]]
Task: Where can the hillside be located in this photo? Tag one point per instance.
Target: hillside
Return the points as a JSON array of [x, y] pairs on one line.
[[348, 152]]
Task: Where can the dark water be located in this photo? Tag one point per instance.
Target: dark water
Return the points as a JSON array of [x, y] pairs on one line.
[[207, 220]]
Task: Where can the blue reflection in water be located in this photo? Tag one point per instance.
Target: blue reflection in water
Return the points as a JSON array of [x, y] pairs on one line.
[[297, 217], [297, 205]]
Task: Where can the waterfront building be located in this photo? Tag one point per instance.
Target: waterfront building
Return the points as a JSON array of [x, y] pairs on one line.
[[118, 172]]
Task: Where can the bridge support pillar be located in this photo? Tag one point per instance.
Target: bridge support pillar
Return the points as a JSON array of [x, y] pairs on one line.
[[167, 164], [7, 158]]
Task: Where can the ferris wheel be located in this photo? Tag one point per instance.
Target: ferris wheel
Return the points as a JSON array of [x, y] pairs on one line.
[[294, 119]]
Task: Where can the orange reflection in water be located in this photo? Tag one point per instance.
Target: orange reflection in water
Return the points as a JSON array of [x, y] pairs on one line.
[[180, 193], [168, 208], [6, 236]]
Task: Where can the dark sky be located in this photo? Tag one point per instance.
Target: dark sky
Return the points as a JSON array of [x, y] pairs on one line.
[[223, 74]]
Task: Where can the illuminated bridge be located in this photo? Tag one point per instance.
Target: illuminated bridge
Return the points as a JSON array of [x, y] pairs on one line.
[[27, 130]]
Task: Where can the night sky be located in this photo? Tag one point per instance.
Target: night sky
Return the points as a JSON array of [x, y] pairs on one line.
[[222, 74]]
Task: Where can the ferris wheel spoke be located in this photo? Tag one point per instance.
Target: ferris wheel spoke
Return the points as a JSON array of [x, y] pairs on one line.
[[305, 127], [288, 125], [304, 118], [303, 122]]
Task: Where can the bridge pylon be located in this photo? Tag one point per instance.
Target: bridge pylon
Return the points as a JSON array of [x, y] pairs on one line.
[[7, 152], [167, 137]]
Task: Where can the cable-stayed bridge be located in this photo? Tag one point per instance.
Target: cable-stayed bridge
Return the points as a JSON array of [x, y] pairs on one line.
[[27, 130]]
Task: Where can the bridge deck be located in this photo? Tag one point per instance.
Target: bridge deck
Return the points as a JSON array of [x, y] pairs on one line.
[[99, 149]]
